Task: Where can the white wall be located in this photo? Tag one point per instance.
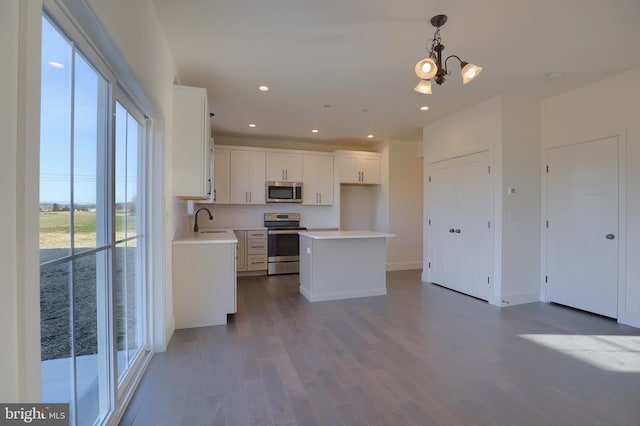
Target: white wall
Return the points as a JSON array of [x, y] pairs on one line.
[[405, 205], [509, 127], [606, 108], [287, 144], [358, 208], [473, 129], [135, 29], [20, 28], [393, 206], [238, 216], [9, 361], [521, 210]]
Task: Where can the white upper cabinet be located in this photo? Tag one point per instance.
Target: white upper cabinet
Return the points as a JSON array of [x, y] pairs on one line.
[[358, 167], [247, 177], [221, 169], [284, 167], [317, 179], [191, 144]]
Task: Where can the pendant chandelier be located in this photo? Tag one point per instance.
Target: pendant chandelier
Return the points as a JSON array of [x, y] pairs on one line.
[[432, 67]]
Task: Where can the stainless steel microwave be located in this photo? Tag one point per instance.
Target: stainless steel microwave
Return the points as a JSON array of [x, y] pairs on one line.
[[283, 192]]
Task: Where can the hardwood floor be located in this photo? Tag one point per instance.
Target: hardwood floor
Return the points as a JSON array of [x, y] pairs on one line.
[[422, 355]]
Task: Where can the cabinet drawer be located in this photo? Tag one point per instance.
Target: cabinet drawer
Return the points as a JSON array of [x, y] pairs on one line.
[[256, 234], [256, 246], [257, 262]]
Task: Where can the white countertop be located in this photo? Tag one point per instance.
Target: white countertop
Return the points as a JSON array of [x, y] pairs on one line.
[[341, 235], [204, 237]]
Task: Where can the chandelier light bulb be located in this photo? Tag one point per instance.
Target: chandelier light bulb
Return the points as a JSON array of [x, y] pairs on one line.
[[424, 87], [469, 72], [426, 68]]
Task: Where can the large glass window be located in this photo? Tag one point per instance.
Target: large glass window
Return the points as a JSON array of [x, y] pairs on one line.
[[91, 233], [128, 277]]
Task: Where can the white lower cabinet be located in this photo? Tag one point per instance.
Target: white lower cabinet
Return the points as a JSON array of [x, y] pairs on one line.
[[252, 250], [241, 251], [204, 283]]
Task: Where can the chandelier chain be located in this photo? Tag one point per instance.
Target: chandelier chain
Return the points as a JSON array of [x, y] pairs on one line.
[[436, 41]]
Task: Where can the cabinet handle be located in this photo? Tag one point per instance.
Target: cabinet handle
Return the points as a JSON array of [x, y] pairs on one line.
[[458, 231], [286, 175], [610, 236], [320, 196], [451, 230], [215, 195], [250, 196], [210, 187]]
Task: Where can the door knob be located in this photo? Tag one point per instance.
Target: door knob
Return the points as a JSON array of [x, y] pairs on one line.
[[451, 230], [610, 236], [458, 231]]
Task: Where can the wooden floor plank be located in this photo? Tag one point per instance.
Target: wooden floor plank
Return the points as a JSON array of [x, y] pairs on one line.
[[422, 354]]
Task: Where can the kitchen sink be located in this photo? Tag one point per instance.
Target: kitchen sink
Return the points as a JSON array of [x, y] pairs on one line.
[[214, 231]]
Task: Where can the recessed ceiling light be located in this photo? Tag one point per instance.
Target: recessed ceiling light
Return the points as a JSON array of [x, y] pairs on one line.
[[53, 64], [370, 136], [263, 88], [424, 108], [252, 125], [555, 75], [314, 131]]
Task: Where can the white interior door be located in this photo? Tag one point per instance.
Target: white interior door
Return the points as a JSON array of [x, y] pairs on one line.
[[442, 250], [475, 238], [582, 235], [460, 241]]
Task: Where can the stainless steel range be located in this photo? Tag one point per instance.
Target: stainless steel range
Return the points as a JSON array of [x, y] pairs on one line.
[[283, 242]]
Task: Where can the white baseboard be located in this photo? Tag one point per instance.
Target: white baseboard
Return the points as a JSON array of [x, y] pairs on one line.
[[403, 266], [519, 298], [627, 319], [342, 295]]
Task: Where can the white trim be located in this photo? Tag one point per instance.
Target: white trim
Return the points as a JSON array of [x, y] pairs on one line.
[[459, 154], [403, 266], [496, 242], [513, 299], [624, 316], [621, 134], [130, 390], [86, 24], [341, 295], [79, 22]]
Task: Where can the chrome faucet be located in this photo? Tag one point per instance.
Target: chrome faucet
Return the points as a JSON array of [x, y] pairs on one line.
[[195, 226]]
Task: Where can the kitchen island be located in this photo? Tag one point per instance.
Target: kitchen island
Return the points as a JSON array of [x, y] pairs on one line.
[[204, 278], [343, 264]]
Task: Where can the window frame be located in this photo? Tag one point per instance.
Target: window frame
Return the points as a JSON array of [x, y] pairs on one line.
[[118, 91]]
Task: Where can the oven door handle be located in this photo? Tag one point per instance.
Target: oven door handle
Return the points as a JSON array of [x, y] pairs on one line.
[[283, 232]]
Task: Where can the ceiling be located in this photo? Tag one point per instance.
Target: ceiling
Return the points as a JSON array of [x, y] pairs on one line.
[[345, 67]]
